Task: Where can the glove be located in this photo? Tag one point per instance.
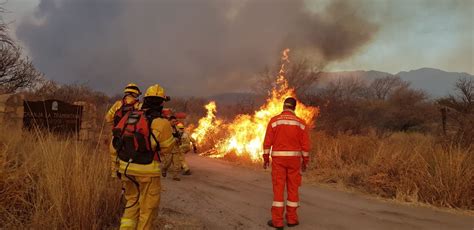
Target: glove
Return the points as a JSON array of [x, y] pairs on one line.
[[116, 174], [304, 164], [304, 167], [266, 160]]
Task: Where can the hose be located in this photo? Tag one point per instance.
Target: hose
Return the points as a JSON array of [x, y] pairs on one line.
[[134, 182]]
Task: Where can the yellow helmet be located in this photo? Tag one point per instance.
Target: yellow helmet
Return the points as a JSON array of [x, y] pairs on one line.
[[155, 91], [132, 88], [180, 125]]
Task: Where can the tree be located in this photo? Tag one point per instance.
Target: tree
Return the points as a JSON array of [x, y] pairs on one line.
[[341, 102], [458, 109], [345, 89], [4, 38], [300, 74], [381, 88], [15, 72], [357, 106], [408, 109]]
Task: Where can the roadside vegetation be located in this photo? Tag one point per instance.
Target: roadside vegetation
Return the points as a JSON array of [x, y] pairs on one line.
[[410, 167], [46, 183]]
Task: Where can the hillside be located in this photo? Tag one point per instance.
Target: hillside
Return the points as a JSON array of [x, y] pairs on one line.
[[435, 82]]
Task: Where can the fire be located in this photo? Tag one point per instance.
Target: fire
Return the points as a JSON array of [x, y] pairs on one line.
[[206, 124], [244, 135]]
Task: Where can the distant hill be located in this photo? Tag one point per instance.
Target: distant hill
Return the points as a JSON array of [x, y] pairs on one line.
[[366, 75], [434, 81]]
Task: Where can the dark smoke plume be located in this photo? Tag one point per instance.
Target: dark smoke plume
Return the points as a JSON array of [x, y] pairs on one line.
[[197, 47]]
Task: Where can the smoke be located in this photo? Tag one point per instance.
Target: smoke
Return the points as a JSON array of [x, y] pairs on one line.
[[190, 47]]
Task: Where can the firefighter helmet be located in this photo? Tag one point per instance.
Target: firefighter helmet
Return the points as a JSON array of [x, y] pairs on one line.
[[180, 125], [155, 91], [132, 89]]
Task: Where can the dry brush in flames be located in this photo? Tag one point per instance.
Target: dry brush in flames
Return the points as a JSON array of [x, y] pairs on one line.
[[243, 136]]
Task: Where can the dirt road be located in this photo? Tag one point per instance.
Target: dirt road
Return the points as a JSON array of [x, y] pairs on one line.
[[220, 195]]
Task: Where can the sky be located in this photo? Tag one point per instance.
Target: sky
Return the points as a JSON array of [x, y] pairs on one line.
[[206, 47]]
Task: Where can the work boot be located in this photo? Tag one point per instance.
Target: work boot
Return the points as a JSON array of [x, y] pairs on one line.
[[187, 172], [163, 173], [270, 223], [176, 178], [293, 225]]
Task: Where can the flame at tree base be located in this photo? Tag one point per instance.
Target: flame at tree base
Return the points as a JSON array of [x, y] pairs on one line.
[[244, 135]]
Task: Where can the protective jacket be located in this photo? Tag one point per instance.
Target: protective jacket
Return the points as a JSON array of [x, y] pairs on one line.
[[173, 162], [287, 140], [287, 135], [186, 141], [129, 100], [162, 130]]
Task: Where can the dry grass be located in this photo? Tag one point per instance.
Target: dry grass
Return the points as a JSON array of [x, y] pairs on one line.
[[407, 167], [46, 183], [64, 184]]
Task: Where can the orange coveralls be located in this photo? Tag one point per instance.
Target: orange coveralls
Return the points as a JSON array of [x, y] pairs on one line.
[[287, 140]]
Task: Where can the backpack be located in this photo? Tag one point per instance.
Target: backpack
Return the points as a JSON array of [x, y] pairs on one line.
[[124, 109], [131, 138]]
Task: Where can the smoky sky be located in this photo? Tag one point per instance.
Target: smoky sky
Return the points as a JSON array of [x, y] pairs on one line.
[[198, 48]]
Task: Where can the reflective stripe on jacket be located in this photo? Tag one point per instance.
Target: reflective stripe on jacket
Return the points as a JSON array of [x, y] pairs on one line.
[[162, 130], [287, 135]]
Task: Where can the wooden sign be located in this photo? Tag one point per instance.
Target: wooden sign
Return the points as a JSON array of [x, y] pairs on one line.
[[52, 115]]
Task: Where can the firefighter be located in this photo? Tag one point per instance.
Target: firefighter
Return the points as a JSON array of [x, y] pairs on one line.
[[167, 113], [128, 103], [141, 182], [287, 141], [172, 161], [185, 147], [174, 121]]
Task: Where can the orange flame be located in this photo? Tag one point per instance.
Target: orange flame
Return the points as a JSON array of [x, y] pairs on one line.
[[206, 124], [246, 132]]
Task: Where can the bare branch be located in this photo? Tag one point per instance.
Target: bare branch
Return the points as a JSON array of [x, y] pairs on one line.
[[381, 88], [301, 75], [15, 72]]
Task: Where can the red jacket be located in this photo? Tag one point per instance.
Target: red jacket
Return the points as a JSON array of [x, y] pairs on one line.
[[287, 135]]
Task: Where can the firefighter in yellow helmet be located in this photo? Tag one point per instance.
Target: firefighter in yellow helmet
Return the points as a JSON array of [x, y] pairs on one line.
[[185, 147], [141, 180], [129, 102]]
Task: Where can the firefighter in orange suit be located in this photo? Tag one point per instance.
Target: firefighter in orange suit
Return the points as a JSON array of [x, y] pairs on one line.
[[287, 141]]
